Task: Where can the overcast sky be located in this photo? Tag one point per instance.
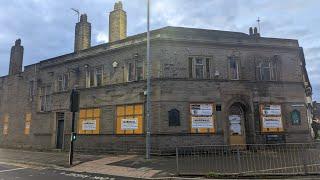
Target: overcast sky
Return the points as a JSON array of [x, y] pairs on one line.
[[46, 27]]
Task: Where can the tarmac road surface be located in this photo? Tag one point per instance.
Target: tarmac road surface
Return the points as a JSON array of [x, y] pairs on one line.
[[15, 172]]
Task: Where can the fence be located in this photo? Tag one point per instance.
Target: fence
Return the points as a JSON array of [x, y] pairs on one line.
[[257, 159]]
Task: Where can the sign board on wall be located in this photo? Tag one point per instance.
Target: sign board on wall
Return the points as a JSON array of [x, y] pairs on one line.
[[271, 118], [271, 110], [235, 124], [89, 125], [5, 128], [202, 122], [272, 122], [201, 109], [27, 125], [234, 119], [129, 124]]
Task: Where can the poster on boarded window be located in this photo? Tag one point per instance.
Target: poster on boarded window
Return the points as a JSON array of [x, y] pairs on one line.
[[272, 122], [201, 109], [235, 124], [89, 125], [202, 122], [129, 124], [271, 110], [27, 125], [5, 129]]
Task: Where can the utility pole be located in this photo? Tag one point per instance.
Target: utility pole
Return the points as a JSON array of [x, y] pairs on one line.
[[148, 144], [74, 107]]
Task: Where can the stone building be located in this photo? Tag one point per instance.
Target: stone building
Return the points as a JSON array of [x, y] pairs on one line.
[[316, 111], [208, 87]]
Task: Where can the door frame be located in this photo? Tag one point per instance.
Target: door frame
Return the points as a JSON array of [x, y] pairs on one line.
[[248, 117], [57, 130], [241, 137]]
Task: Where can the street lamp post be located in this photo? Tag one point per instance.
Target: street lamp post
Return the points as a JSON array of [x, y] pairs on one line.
[[148, 133]]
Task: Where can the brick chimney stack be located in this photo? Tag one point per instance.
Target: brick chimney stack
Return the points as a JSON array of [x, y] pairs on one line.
[[16, 58], [82, 38], [117, 23]]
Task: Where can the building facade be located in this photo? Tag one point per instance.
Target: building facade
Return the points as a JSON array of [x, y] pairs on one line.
[[208, 87]]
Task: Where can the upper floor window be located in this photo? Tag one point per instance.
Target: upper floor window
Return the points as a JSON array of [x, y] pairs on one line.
[[98, 76], [94, 77], [135, 70], [45, 98], [233, 67], [63, 82], [31, 90], [199, 67], [266, 71]]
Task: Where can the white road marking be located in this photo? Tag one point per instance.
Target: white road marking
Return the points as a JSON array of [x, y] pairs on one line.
[[8, 170]]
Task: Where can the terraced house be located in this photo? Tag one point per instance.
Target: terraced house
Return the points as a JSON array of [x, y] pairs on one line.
[[208, 87]]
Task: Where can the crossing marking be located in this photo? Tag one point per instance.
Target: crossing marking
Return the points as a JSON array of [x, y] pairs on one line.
[[8, 170]]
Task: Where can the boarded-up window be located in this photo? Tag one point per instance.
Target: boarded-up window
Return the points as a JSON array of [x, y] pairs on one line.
[[174, 117], [89, 121], [6, 124], [202, 118], [271, 118], [27, 124], [129, 119]]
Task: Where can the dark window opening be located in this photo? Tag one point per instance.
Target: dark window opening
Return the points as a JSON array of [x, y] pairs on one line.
[[174, 117], [295, 117], [233, 68]]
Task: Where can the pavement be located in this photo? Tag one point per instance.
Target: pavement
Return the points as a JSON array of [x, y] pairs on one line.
[[108, 165], [45, 159], [31, 165], [26, 172], [134, 166]]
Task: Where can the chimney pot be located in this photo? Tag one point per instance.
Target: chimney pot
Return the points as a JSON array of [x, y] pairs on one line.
[[250, 31], [16, 58], [83, 18], [255, 30]]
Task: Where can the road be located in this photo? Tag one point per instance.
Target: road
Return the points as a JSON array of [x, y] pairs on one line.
[[16, 172]]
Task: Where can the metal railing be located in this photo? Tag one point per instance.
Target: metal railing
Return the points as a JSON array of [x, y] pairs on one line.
[[253, 159]]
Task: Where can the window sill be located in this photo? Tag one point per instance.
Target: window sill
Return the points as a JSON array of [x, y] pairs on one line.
[[42, 134], [44, 112]]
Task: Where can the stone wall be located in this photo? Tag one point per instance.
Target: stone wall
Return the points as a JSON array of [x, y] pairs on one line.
[[171, 88]]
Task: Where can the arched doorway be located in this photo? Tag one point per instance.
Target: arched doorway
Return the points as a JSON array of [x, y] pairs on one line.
[[236, 124]]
